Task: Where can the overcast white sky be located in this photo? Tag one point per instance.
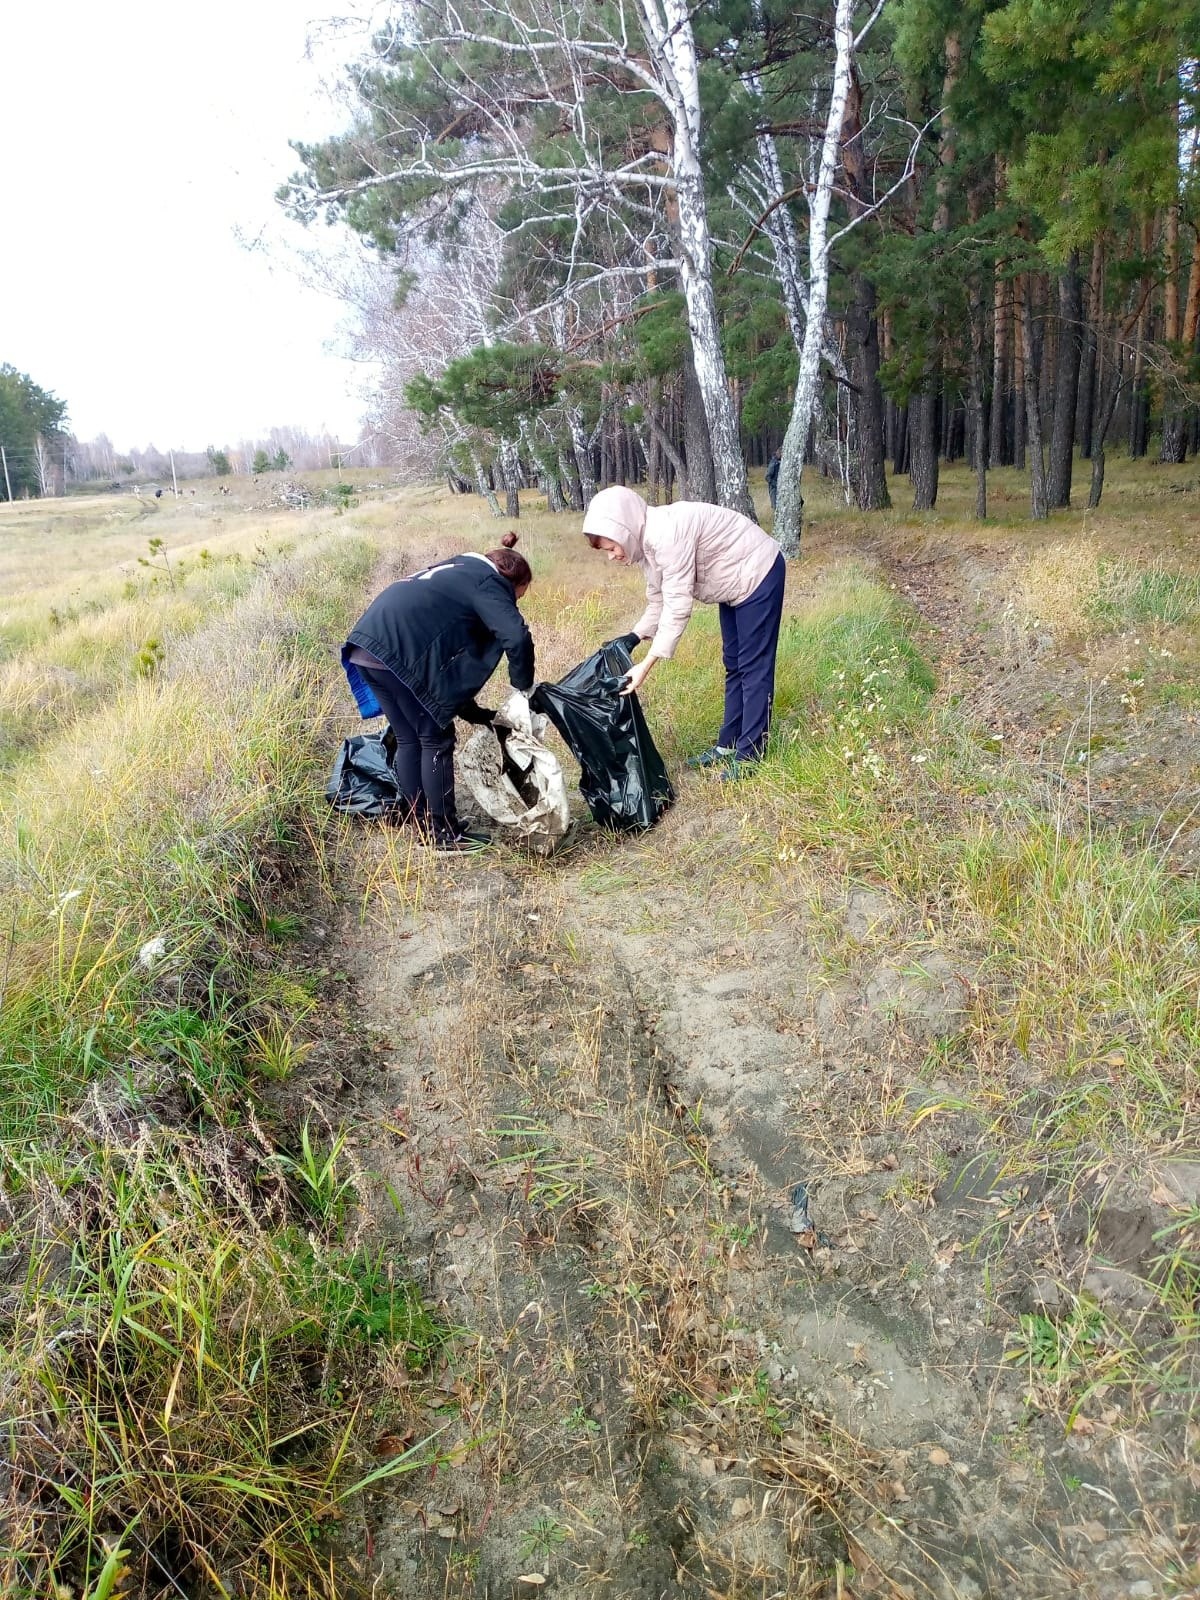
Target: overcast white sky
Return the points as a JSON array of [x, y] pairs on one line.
[[140, 137]]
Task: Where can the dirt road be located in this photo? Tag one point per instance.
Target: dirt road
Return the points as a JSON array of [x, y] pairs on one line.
[[748, 1285]]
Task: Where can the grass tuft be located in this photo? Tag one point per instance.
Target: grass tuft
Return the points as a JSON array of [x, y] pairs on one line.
[[177, 1387]]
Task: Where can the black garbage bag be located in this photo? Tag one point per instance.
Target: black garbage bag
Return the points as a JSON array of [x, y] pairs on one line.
[[362, 781], [623, 779]]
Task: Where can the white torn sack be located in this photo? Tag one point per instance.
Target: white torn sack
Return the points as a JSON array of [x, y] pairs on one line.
[[514, 778]]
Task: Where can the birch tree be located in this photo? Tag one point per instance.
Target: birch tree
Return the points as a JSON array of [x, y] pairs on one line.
[[819, 191], [43, 466], [668, 31], [763, 180], [867, 139], [508, 94]]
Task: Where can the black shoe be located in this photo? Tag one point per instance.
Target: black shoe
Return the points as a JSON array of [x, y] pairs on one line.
[[461, 843]]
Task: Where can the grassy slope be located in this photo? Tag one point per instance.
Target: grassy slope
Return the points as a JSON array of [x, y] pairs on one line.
[[208, 1278]]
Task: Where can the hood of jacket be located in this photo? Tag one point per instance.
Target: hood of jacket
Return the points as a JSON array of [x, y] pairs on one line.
[[620, 515]]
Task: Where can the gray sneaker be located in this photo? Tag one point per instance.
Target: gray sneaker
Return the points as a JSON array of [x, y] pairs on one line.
[[716, 756]]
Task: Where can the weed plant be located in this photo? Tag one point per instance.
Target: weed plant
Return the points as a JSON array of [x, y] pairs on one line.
[[177, 1388]]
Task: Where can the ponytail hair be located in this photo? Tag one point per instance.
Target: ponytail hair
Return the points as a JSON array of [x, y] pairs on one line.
[[510, 565]]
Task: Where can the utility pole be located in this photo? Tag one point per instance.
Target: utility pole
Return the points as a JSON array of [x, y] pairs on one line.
[[174, 480], [7, 485]]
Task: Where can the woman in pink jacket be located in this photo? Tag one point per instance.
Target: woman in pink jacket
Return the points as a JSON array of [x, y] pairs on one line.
[[696, 552]]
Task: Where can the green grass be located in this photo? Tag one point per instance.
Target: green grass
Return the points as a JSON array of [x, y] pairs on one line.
[[322, 1187], [190, 1321], [1083, 943], [186, 1336], [846, 660], [178, 1387], [1129, 595]]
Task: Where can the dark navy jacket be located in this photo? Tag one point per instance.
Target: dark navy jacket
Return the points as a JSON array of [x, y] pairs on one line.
[[442, 632]]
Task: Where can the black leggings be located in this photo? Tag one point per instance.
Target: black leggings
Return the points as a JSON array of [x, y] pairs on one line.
[[424, 761]]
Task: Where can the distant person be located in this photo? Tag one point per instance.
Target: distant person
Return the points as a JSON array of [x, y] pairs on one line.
[[419, 655], [773, 466], [158, 494], [691, 552]]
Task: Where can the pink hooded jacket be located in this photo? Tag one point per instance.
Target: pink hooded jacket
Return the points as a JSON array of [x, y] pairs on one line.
[[690, 551]]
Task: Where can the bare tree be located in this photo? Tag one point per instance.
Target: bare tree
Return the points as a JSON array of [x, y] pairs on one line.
[[44, 464], [819, 189], [548, 59], [448, 311]]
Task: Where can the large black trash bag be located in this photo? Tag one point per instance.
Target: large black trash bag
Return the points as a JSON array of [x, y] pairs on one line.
[[623, 780], [362, 781]]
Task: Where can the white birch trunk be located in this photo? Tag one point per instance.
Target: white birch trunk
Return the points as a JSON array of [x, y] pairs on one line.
[[461, 437], [668, 30], [482, 485], [510, 467], [788, 509], [780, 229], [545, 464], [779, 226], [582, 447], [41, 456]]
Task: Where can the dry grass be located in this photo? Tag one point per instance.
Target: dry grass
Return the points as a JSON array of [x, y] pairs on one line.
[[1076, 591], [1059, 586], [172, 1410], [602, 1242], [518, 1070], [166, 1421], [98, 592]]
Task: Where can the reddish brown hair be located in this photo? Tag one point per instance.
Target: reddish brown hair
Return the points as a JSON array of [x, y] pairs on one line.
[[510, 565]]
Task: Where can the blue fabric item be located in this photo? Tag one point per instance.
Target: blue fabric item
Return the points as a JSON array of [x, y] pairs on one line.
[[749, 641], [364, 695]]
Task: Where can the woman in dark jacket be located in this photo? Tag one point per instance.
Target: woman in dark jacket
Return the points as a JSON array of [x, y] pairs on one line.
[[420, 653]]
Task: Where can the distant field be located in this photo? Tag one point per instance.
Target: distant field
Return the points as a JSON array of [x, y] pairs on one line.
[[73, 551]]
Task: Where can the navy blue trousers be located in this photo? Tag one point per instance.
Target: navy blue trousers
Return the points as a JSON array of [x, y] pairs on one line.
[[749, 641], [424, 762]]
